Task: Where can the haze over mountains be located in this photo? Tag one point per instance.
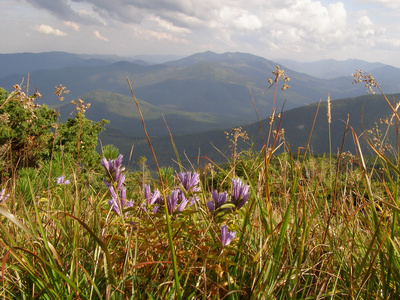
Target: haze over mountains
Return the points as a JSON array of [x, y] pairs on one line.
[[195, 94]]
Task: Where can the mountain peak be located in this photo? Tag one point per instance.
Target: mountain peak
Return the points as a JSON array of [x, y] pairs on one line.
[[213, 57]]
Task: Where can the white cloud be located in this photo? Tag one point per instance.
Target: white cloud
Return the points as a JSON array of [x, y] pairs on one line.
[[166, 36], [365, 26], [72, 25], [239, 18], [99, 36], [46, 29], [312, 17], [168, 26], [386, 3]]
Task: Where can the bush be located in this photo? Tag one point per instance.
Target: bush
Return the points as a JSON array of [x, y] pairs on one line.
[[25, 130]]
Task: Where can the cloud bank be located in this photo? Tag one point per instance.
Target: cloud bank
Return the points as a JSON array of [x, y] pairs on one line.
[[291, 28]]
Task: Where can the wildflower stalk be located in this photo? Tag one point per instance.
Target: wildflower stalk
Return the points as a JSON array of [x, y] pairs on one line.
[[167, 216], [329, 115]]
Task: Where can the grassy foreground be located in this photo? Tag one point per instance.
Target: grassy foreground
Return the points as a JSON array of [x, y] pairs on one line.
[[268, 226]]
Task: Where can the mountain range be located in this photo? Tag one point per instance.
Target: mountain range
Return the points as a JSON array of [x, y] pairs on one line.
[[198, 97]]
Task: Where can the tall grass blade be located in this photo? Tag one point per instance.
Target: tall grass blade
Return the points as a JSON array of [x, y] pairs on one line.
[[169, 230], [6, 213], [101, 244]]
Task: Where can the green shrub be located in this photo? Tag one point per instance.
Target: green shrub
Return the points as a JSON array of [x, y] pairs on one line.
[[25, 130]]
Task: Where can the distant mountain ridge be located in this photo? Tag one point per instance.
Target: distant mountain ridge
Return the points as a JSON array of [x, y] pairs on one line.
[[24, 63], [223, 84], [331, 68]]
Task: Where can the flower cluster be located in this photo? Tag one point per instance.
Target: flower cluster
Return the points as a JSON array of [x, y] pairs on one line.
[[172, 201], [183, 195], [179, 198], [116, 186], [240, 194], [218, 200], [154, 198], [190, 181]]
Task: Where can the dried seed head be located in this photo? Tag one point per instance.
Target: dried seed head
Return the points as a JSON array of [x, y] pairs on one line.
[[367, 79], [279, 74], [329, 109]]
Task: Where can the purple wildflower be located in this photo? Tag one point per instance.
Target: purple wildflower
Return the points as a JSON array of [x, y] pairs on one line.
[[172, 201], [190, 181], [115, 173], [218, 200], [240, 193], [113, 169], [114, 205], [226, 236], [3, 196], [61, 180], [175, 197], [122, 196], [152, 198], [118, 204], [183, 203], [121, 181]]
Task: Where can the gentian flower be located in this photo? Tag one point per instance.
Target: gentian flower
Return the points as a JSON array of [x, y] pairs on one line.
[[118, 204], [152, 198], [3, 196], [183, 203], [226, 236], [190, 181], [114, 170], [172, 201], [114, 205], [61, 180], [218, 200], [240, 193]]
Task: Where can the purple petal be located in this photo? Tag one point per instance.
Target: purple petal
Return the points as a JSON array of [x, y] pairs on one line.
[[121, 181], [243, 200], [147, 192], [219, 198], [107, 164], [122, 197], [172, 201], [3, 196], [118, 161], [114, 205], [182, 205], [60, 179], [211, 206], [226, 236], [112, 192]]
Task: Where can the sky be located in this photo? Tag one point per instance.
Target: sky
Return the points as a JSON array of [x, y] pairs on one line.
[[301, 30]]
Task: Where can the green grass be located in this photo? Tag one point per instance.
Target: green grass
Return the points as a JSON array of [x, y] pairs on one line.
[[312, 228]]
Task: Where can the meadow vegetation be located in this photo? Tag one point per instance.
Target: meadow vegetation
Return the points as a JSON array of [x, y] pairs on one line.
[[78, 225]]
